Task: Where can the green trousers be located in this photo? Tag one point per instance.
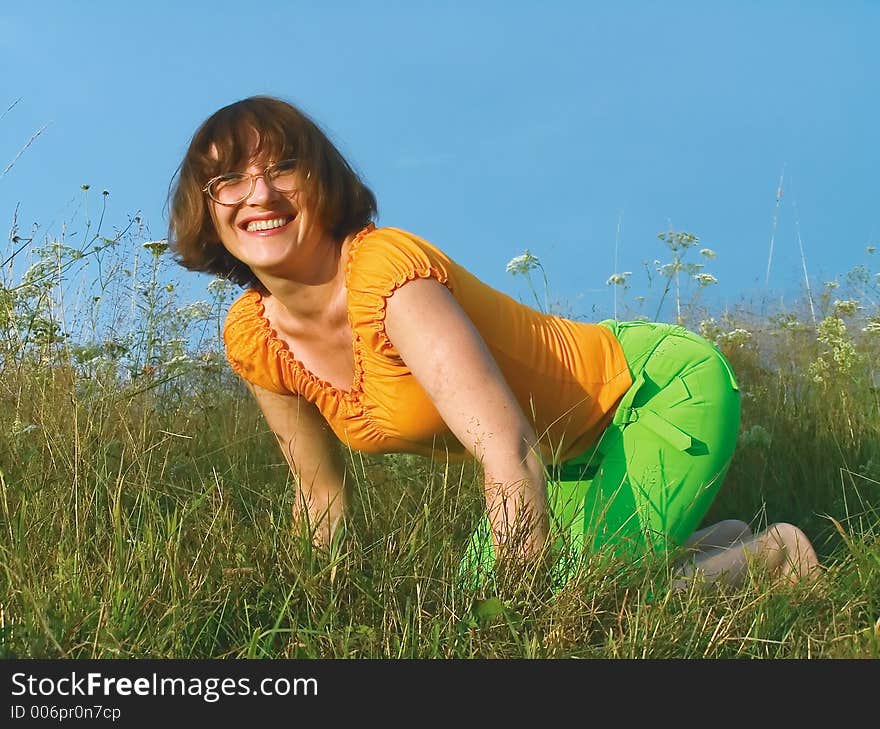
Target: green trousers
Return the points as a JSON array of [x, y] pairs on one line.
[[650, 479]]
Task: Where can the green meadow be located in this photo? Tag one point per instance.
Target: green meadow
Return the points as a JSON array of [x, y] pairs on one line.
[[145, 509]]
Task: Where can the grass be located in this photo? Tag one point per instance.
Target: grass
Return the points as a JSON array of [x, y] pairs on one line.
[[145, 510]]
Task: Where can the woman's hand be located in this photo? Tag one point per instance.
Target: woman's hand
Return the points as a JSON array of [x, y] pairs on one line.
[[450, 360], [312, 452]]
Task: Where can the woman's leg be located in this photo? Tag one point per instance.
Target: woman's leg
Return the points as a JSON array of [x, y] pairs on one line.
[[719, 535], [668, 448], [782, 549]]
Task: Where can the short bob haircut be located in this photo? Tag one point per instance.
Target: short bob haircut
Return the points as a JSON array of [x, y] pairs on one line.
[[330, 187]]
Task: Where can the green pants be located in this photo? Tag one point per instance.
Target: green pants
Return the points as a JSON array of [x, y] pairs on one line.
[[650, 479]]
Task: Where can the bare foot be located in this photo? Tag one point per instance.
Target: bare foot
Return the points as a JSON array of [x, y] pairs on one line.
[[782, 548], [788, 552]]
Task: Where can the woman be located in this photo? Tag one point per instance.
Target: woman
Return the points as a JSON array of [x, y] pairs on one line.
[[375, 338]]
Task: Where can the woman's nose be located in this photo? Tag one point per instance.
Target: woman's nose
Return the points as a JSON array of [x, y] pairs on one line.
[[261, 190]]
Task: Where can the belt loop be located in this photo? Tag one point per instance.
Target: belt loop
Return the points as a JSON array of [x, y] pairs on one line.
[[625, 412], [626, 415]]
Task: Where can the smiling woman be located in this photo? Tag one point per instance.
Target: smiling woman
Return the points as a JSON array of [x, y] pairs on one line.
[[261, 131], [613, 436]]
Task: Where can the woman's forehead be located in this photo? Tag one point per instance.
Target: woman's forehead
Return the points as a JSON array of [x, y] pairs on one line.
[[253, 149]]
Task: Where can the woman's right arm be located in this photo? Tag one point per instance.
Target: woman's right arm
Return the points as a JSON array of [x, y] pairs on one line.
[[312, 451]]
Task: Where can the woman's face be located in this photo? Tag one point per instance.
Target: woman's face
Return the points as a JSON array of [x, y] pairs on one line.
[[269, 231]]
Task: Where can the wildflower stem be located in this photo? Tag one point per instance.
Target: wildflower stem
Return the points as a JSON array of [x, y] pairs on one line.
[[616, 246], [22, 150], [797, 227], [773, 229]]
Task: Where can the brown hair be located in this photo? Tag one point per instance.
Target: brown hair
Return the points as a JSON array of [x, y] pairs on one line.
[[335, 193]]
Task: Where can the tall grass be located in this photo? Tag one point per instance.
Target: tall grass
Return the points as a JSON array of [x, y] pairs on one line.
[[145, 510]]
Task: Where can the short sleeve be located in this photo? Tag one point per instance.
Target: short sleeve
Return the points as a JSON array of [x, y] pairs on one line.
[[379, 263], [250, 349]]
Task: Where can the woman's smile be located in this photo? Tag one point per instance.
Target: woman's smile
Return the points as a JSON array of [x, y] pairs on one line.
[[265, 224]]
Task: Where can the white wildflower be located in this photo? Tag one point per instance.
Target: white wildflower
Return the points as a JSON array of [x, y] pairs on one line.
[[819, 370], [847, 307], [705, 279], [156, 247], [220, 286], [523, 263], [709, 329], [791, 322], [838, 347], [736, 337], [618, 279], [707, 253], [196, 311]]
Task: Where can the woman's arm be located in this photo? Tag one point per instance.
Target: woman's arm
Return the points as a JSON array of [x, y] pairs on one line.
[[313, 454], [450, 360]]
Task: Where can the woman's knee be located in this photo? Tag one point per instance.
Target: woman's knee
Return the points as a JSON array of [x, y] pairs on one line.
[[720, 534]]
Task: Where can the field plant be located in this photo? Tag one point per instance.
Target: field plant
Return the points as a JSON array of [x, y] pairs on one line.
[[145, 509]]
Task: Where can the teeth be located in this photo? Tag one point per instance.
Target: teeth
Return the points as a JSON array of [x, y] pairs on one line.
[[266, 224]]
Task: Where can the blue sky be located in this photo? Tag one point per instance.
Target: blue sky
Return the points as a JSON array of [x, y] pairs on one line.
[[486, 127]]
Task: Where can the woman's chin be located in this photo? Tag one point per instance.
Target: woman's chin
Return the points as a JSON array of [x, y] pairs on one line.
[[266, 251]]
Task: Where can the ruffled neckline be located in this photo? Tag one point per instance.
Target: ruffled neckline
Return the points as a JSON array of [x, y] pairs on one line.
[[282, 350]]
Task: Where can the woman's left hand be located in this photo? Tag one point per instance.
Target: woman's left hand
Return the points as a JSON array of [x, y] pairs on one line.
[[446, 354]]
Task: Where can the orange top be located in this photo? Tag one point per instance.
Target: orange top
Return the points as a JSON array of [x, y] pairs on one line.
[[567, 376]]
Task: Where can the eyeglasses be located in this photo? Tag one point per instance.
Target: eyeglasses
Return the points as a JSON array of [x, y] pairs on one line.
[[233, 188]]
